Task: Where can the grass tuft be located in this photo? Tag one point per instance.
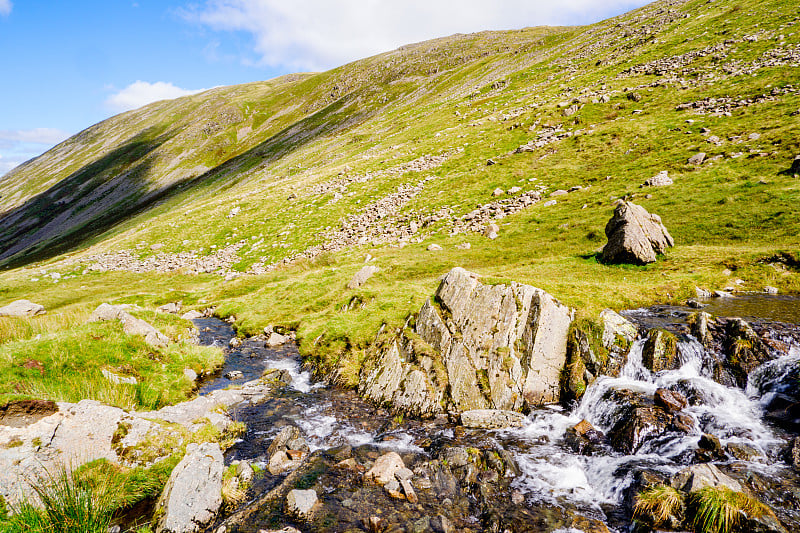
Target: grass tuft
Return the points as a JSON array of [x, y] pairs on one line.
[[659, 504]]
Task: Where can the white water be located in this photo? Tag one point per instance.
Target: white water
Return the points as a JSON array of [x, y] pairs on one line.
[[549, 473]]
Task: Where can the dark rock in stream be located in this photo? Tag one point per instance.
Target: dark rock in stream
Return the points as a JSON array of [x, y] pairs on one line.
[[639, 420]]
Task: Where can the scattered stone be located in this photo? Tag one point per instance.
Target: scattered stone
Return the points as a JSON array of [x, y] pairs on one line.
[[362, 276], [634, 236], [492, 418], [697, 159], [514, 190], [702, 293], [192, 315], [722, 294], [434, 247], [659, 180], [770, 290], [109, 312], [464, 246], [234, 374], [235, 342], [558, 192], [408, 489], [491, 231], [549, 203], [22, 308], [498, 192], [300, 503], [193, 495], [490, 162], [190, 374], [171, 308], [280, 462]]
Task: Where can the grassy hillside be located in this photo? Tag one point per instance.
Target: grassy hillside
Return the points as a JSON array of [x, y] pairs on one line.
[[264, 199]]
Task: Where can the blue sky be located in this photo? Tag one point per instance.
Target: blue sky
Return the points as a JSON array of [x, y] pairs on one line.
[[67, 65]]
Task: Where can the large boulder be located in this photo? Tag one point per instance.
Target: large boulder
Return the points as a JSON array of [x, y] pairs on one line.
[[130, 324], [474, 346], [635, 236], [193, 494], [22, 308]]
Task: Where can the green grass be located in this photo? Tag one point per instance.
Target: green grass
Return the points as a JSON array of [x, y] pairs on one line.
[[659, 505], [85, 499], [382, 112], [721, 510]]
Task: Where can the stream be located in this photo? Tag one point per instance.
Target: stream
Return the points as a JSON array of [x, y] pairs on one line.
[[544, 482]]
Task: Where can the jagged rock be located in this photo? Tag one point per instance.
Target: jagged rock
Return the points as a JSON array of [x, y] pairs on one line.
[[744, 350], [698, 324], [693, 478], [480, 347], [583, 438], [385, 468], [637, 420], [280, 462], [300, 503], [22, 308], [491, 418], [697, 159], [634, 236], [362, 276], [670, 401], [193, 494], [661, 179], [660, 350]]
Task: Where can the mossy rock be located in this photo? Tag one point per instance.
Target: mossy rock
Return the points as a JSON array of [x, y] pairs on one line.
[[660, 351]]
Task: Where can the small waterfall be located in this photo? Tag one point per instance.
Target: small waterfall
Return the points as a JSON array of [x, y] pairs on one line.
[[733, 415]]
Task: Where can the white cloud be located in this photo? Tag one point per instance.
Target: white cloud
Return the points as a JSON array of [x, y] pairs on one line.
[[5, 7], [319, 34], [141, 93], [38, 136]]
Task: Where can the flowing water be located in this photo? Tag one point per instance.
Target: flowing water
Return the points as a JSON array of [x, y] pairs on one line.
[[552, 475]]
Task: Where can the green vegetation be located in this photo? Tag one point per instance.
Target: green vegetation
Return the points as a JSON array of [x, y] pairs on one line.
[[300, 154], [721, 510], [85, 499], [660, 505]]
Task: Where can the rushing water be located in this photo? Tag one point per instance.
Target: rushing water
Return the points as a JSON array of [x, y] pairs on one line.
[[551, 473]]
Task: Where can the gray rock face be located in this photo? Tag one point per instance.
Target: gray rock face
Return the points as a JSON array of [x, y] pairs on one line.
[[362, 276], [479, 347], [193, 494], [693, 478], [635, 236], [491, 418], [22, 308], [697, 159], [616, 327]]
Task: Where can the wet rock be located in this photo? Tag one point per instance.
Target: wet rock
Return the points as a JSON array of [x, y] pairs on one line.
[[300, 503], [744, 350], [362, 276], [741, 451], [234, 374], [634, 236], [693, 478], [22, 308], [235, 342], [478, 347], [276, 339], [616, 329], [660, 350], [699, 325], [585, 439], [670, 401], [288, 438], [709, 449], [794, 454], [636, 421], [491, 418], [193, 494], [385, 468]]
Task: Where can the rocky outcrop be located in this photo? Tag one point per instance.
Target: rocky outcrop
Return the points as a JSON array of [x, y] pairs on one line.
[[474, 346], [635, 236], [130, 324], [660, 351], [22, 308], [193, 494]]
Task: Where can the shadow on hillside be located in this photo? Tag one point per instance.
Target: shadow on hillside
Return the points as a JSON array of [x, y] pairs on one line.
[[108, 191]]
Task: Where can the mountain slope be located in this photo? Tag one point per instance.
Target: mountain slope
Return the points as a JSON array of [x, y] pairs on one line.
[[386, 155]]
